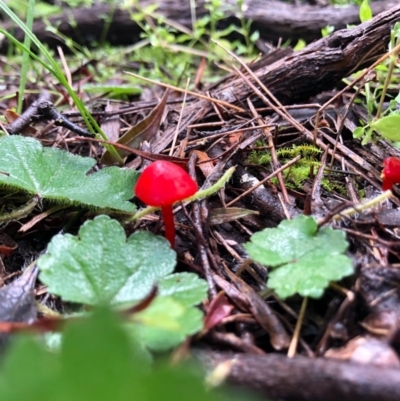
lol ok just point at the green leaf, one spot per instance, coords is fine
(166, 323)
(300, 45)
(368, 135)
(327, 30)
(86, 356)
(63, 177)
(365, 11)
(97, 362)
(101, 266)
(358, 132)
(28, 356)
(254, 36)
(305, 259)
(171, 317)
(186, 288)
(388, 127)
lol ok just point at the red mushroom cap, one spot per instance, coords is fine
(164, 183)
(390, 173)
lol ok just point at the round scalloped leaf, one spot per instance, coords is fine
(101, 266)
(304, 258)
(63, 177)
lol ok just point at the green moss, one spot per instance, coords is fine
(298, 173)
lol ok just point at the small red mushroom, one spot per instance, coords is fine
(163, 183)
(390, 173)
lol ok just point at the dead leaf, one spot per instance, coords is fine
(225, 215)
(7, 245)
(264, 315)
(204, 162)
(17, 303)
(143, 131)
(218, 310)
(111, 125)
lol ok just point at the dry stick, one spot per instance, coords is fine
(197, 226)
(180, 119)
(316, 188)
(230, 132)
(25, 118)
(67, 70)
(296, 335)
(349, 299)
(349, 86)
(274, 156)
(27, 226)
(341, 125)
(203, 250)
(263, 181)
(204, 97)
(141, 153)
(216, 109)
(284, 208)
(232, 341)
(278, 108)
(386, 84)
(286, 116)
(261, 311)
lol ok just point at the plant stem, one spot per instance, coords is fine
(169, 224)
(25, 56)
(363, 206)
(21, 212)
(389, 74)
(214, 188)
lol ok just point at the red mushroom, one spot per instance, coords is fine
(390, 173)
(163, 183)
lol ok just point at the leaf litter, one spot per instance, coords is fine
(270, 279)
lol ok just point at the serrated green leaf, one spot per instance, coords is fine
(166, 323)
(388, 127)
(101, 266)
(63, 177)
(305, 259)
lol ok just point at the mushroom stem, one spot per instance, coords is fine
(169, 224)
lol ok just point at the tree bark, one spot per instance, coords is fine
(321, 65)
(273, 19)
(307, 379)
